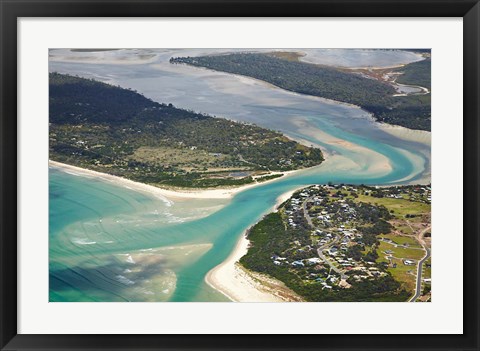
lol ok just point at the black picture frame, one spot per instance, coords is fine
(11, 10)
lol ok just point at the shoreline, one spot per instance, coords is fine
(195, 193)
(415, 135)
(241, 285)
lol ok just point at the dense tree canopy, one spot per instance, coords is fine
(118, 131)
(372, 95)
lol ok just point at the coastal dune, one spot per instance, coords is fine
(241, 285)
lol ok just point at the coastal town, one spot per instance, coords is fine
(344, 237)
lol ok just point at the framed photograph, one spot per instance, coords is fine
(246, 175)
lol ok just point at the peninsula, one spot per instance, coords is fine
(344, 243)
(376, 96)
(117, 131)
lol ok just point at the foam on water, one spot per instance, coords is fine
(83, 241)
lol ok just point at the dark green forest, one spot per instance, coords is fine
(371, 95)
(416, 73)
(118, 131)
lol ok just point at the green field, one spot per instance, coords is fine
(415, 254)
(183, 158)
(412, 242)
(402, 273)
(427, 271)
(405, 229)
(401, 252)
(400, 207)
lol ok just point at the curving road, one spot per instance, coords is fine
(418, 287)
(319, 251)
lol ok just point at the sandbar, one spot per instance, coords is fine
(242, 285)
(225, 193)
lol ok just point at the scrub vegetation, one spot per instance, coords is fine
(120, 132)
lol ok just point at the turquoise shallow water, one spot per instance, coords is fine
(103, 237)
(110, 243)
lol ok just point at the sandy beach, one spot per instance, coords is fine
(229, 277)
(241, 285)
(159, 192)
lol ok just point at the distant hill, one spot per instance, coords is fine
(372, 95)
(118, 131)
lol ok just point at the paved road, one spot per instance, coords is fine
(325, 259)
(306, 214)
(319, 251)
(418, 287)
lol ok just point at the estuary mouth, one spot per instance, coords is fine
(162, 160)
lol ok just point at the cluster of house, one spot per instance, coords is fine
(330, 232)
(365, 273)
(294, 209)
(363, 270)
(279, 261)
(337, 214)
(333, 219)
(285, 162)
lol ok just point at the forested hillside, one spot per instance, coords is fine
(120, 132)
(416, 73)
(372, 95)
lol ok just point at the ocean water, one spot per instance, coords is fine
(110, 243)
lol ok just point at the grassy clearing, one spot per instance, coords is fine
(427, 271)
(380, 251)
(404, 274)
(405, 229)
(400, 251)
(183, 158)
(407, 253)
(412, 242)
(400, 207)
